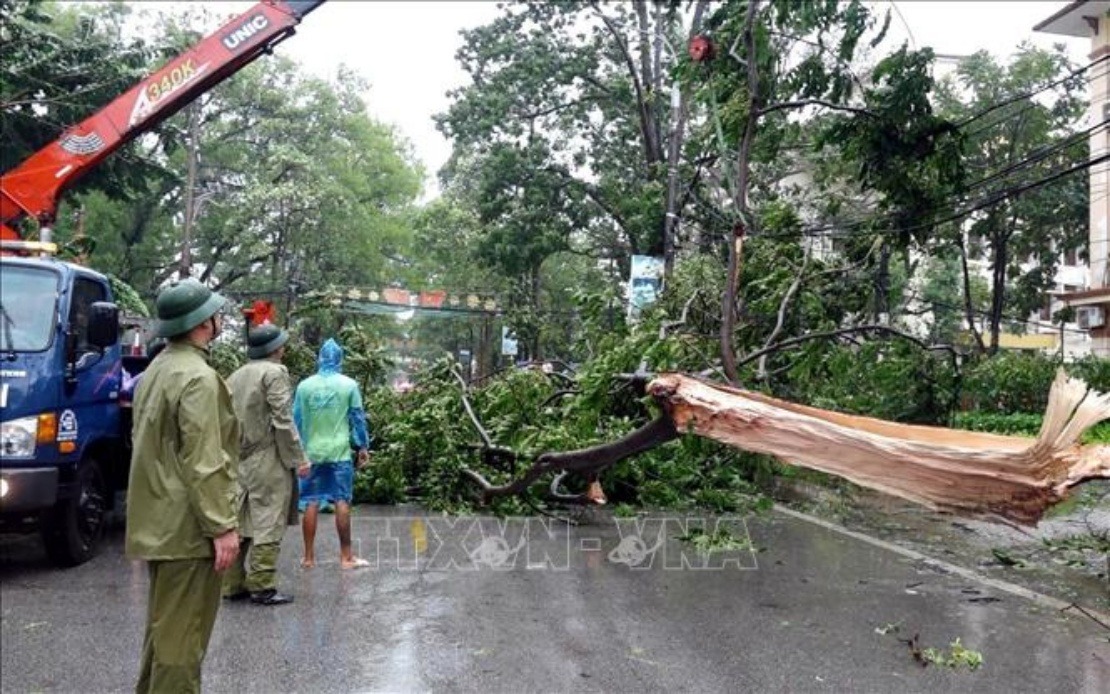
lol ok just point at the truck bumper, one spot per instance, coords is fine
(26, 490)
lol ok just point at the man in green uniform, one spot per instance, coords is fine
(180, 513)
(270, 455)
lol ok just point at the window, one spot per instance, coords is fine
(1071, 257)
(27, 307)
(1046, 308)
(85, 293)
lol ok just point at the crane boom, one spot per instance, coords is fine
(32, 188)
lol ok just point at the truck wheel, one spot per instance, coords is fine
(71, 531)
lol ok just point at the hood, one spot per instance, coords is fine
(330, 359)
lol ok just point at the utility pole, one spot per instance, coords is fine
(192, 146)
(79, 237)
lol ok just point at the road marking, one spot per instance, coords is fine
(1005, 586)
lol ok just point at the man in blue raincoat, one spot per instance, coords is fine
(327, 410)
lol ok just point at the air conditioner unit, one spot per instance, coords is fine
(1090, 317)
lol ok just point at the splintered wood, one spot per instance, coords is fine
(1010, 478)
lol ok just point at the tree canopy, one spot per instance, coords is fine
(834, 213)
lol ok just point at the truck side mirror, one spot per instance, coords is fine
(103, 324)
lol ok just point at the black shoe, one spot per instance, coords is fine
(270, 597)
(235, 597)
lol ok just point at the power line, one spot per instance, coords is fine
(1037, 155)
(1003, 316)
(913, 40)
(978, 183)
(1032, 157)
(812, 144)
(1028, 107)
(1028, 95)
(834, 231)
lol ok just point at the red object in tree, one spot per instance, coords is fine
(260, 312)
(701, 49)
(393, 295)
(32, 188)
(432, 298)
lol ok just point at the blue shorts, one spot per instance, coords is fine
(328, 482)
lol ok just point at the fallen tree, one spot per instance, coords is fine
(1009, 478)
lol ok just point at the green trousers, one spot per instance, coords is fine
(181, 611)
(255, 570)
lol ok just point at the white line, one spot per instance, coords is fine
(1006, 586)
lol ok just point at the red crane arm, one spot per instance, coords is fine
(33, 187)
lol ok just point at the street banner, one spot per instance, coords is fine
(645, 283)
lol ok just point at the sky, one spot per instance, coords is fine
(406, 50)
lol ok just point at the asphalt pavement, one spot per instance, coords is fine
(534, 605)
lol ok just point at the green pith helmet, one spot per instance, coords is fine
(183, 306)
(265, 340)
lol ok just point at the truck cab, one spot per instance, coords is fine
(63, 448)
(64, 434)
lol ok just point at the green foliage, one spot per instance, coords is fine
(1008, 393)
(61, 63)
(1080, 544)
(1015, 424)
(559, 174)
(719, 541)
(226, 356)
(1009, 382)
(428, 436)
(942, 292)
(955, 657)
(381, 482)
(127, 298)
(1021, 424)
(560, 140)
(1012, 382)
(1094, 370)
(893, 380)
(1025, 140)
(299, 360)
(364, 359)
(298, 186)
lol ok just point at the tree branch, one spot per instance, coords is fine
(470, 411)
(844, 331)
(784, 105)
(738, 227)
(674, 150)
(783, 305)
(641, 104)
(585, 460)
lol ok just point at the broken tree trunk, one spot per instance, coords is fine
(1010, 478)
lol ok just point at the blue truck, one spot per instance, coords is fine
(64, 416)
(64, 427)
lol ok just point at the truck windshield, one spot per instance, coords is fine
(28, 300)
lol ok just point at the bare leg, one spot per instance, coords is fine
(308, 529)
(594, 492)
(343, 527)
(347, 558)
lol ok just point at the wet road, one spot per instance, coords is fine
(475, 605)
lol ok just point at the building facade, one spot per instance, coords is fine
(1091, 19)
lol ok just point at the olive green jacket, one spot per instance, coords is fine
(270, 448)
(185, 441)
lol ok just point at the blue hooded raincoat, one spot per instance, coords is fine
(327, 410)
